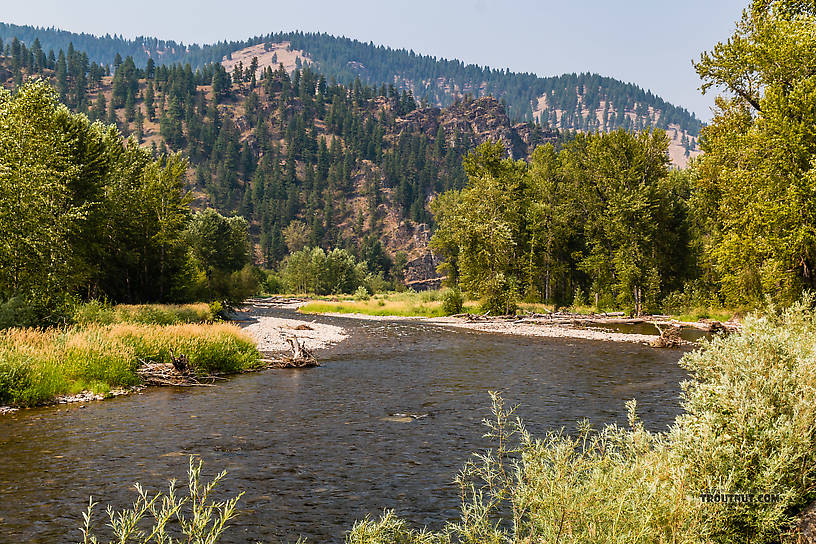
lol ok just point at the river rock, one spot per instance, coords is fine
(806, 527)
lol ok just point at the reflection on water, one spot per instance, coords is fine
(316, 449)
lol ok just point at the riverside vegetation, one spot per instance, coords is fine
(404, 304)
(84, 215)
(106, 345)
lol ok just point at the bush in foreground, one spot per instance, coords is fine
(168, 517)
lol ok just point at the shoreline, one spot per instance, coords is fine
(270, 333)
(521, 328)
(589, 327)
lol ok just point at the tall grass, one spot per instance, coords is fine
(749, 427)
(147, 314)
(38, 365)
(405, 304)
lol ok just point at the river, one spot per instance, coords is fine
(316, 449)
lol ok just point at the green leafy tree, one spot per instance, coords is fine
(37, 213)
(757, 183)
(485, 222)
(220, 246)
(617, 177)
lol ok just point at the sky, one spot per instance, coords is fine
(647, 42)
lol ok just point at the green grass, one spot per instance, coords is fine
(38, 365)
(405, 304)
(716, 314)
(429, 304)
(146, 314)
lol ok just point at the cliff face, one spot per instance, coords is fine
(483, 119)
(476, 121)
(480, 120)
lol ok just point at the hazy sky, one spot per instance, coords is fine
(647, 42)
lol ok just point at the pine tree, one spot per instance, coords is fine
(62, 77)
(148, 100)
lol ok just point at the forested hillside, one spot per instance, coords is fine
(306, 162)
(581, 102)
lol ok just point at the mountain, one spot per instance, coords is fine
(305, 161)
(581, 102)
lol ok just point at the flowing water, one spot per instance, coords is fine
(315, 449)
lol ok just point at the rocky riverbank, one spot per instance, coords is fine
(270, 333)
(587, 327)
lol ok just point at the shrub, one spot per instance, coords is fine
(272, 284)
(452, 301)
(217, 310)
(580, 298)
(375, 283)
(16, 312)
(168, 517)
(361, 294)
(750, 421)
(389, 529)
(696, 299)
(500, 295)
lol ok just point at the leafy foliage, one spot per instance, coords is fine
(757, 191)
(87, 214)
(312, 270)
(602, 215)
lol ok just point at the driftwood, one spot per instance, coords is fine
(180, 363)
(275, 301)
(301, 356)
(169, 373)
(669, 337)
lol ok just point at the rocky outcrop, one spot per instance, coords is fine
(422, 269)
(483, 119)
(424, 120)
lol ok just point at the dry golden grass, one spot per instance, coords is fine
(38, 365)
(405, 304)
